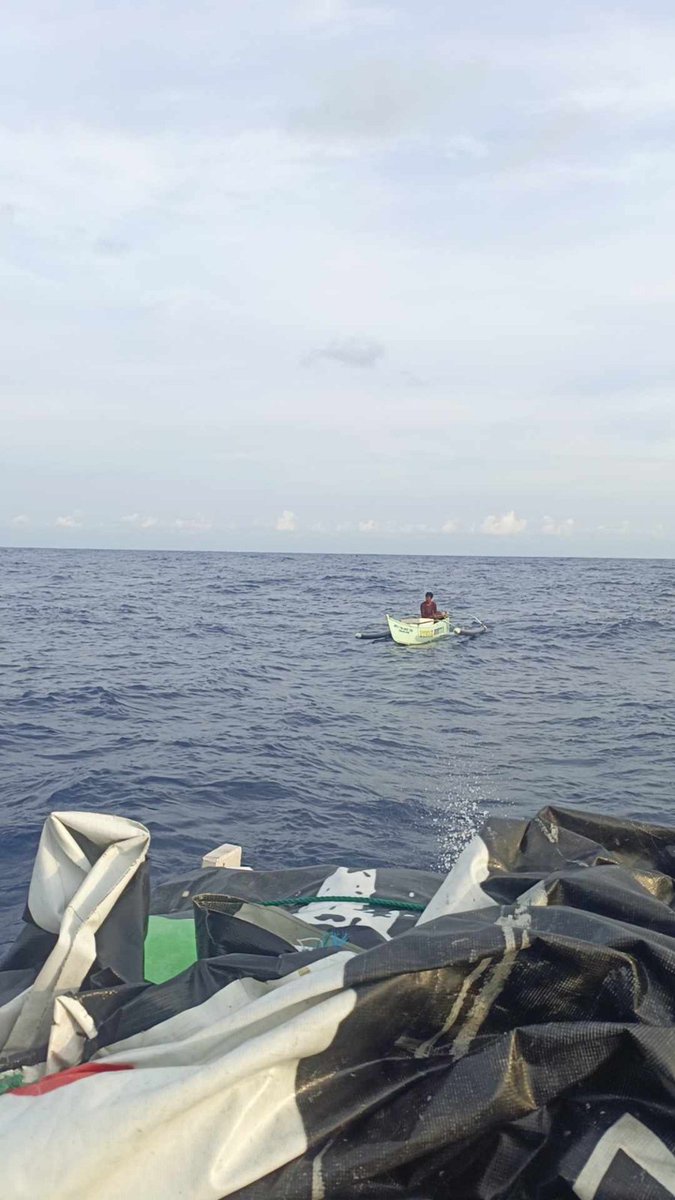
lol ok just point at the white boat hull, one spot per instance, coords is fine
(417, 631)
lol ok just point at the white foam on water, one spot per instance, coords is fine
(458, 816)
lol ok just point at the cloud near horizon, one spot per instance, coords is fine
(141, 522)
(532, 533)
(286, 523)
(69, 522)
(563, 528)
(508, 525)
(192, 524)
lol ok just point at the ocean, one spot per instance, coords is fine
(224, 697)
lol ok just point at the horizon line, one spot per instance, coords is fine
(333, 553)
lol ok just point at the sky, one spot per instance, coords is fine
(338, 275)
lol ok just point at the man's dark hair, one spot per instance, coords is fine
(428, 595)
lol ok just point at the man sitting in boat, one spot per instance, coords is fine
(428, 608)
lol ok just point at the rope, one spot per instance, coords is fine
(369, 901)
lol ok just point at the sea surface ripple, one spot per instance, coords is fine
(224, 697)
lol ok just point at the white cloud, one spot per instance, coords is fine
(317, 13)
(287, 522)
(623, 529)
(408, 527)
(20, 521)
(140, 521)
(465, 146)
(646, 98)
(353, 351)
(80, 165)
(505, 526)
(70, 522)
(450, 526)
(192, 524)
(563, 528)
(375, 99)
(368, 526)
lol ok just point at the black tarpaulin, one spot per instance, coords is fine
(515, 1040)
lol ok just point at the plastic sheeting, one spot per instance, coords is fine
(514, 1039)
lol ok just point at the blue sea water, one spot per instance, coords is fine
(224, 697)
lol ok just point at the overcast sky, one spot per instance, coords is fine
(331, 274)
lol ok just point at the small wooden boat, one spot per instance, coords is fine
(417, 631)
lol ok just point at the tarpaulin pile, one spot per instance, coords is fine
(505, 1033)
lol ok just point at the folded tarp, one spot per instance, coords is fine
(504, 1033)
(86, 915)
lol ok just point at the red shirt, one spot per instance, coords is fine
(428, 608)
